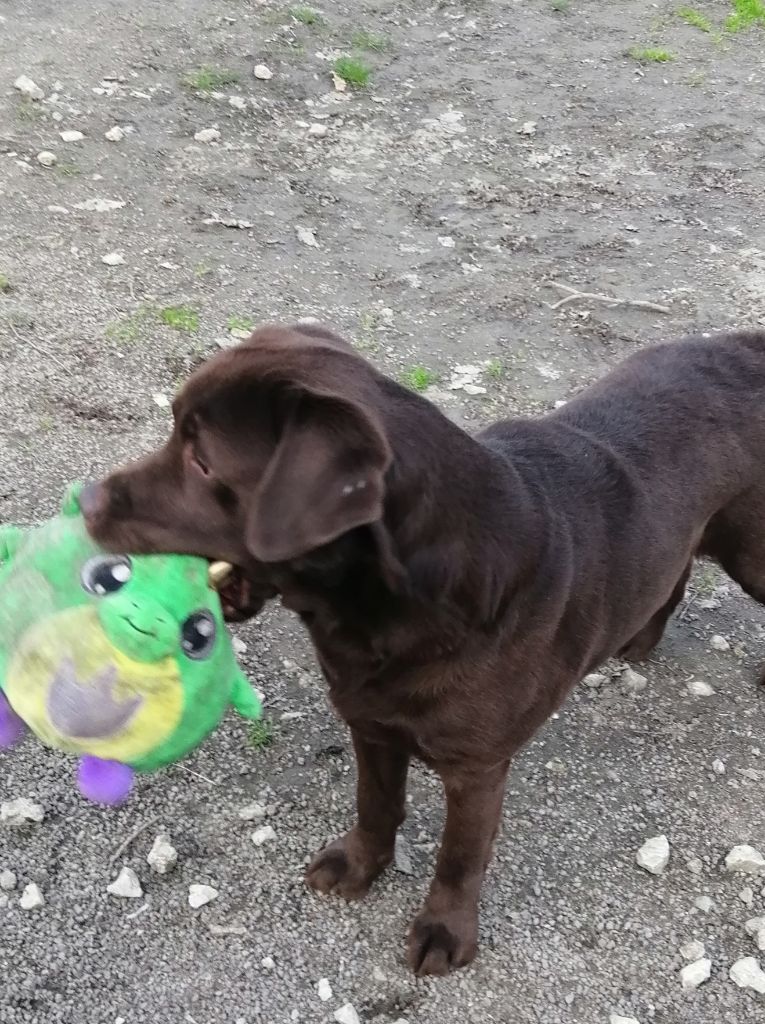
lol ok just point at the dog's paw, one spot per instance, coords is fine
(441, 943)
(347, 867)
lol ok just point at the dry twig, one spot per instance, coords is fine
(574, 295)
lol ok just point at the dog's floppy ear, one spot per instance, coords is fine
(325, 477)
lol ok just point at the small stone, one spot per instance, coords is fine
(653, 855)
(719, 643)
(7, 881)
(704, 904)
(263, 835)
(693, 950)
(20, 810)
(616, 1018)
(346, 1015)
(633, 682)
(446, 241)
(307, 237)
(752, 926)
(695, 866)
(4, 900)
(402, 857)
(201, 895)
(113, 259)
(237, 102)
(31, 898)
(207, 135)
(47, 159)
(267, 963)
(527, 128)
(318, 130)
(115, 134)
(324, 990)
(71, 136)
(28, 88)
(163, 856)
(262, 72)
(160, 400)
(595, 679)
(718, 767)
(747, 896)
(697, 688)
(747, 973)
(100, 205)
(746, 860)
(126, 885)
(240, 647)
(253, 812)
(696, 974)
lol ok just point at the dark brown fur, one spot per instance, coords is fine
(455, 588)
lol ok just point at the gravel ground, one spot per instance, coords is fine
(496, 148)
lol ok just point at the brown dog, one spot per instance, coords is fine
(455, 587)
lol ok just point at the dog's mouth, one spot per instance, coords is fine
(242, 597)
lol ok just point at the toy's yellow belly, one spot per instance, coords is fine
(79, 693)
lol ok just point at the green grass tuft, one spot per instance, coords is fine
(240, 323)
(306, 16)
(364, 40)
(5, 284)
(746, 13)
(695, 19)
(418, 378)
(262, 733)
(561, 6)
(495, 369)
(209, 79)
(651, 55)
(180, 318)
(354, 71)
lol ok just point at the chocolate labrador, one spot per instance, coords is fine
(455, 587)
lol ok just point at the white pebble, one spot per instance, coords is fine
(267, 963)
(747, 896)
(616, 1018)
(207, 135)
(346, 1015)
(160, 400)
(747, 973)
(31, 898)
(746, 860)
(704, 903)
(653, 855)
(307, 237)
(695, 866)
(693, 950)
(697, 688)
(253, 812)
(263, 72)
(262, 835)
(318, 130)
(718, 766)
(100, 205)
(7, 881)
(27, 87)
(71, 136)
(696, 974)
(115, 134)
(752, 926)
(237, 102)
(719, 643)
(20, 810)
(126, 885)
(47, 159)
(324, 990)
(633, 682)
(595, 679)
(201, 895)
(240, 647)
(4, 900)
(113, 259)
(163, 856)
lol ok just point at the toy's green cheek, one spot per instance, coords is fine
(139, 626)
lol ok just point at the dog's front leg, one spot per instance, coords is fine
(444, 934)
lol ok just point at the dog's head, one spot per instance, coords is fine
(277, 449)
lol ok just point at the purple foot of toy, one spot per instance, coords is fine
(104, 782)
(12, 728)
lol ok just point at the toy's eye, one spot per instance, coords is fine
(105, 574)
(198, 635)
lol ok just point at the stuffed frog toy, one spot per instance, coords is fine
(124, 660)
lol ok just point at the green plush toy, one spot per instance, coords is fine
(124, 660)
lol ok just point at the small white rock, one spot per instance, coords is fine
(201, 895)
(746, 860)
(47, 159)
(160, 400)
(263, 72)
(71, 136)
(698, 688)
(616, 1018)
(747, 896)
(4, 900)
(752, 926)
(447, 241)
(653, 855)
(346, 1015)
(113, 259)
(263, 835)
(100, 205)
(27, 87)
(268, 963)
(632, 681)
(324, 990)
(696, 974)
(126, 885)
(692, 951)
(595, 679)
(207, 135)
(7, 881)
(115, 134)
(253, 812)
(718, 766)
(237, 102)
(20, 810)
(704, 904)
(747, 973)
(240, 647)
(719, 643)
(695, 866)
(318, 130)
(527, 128)
(31, 898)
(163, 856)
(307, 237)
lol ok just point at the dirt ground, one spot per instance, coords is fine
(497, 148)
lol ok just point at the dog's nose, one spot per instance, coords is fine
(92, 500)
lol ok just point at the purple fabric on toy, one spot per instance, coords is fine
(104, 782)
(12, 728)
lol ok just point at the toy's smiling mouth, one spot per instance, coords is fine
(88, 710)
(143, 632)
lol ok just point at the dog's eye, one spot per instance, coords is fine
(105, 574)
(201, 465)
(198, 635)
